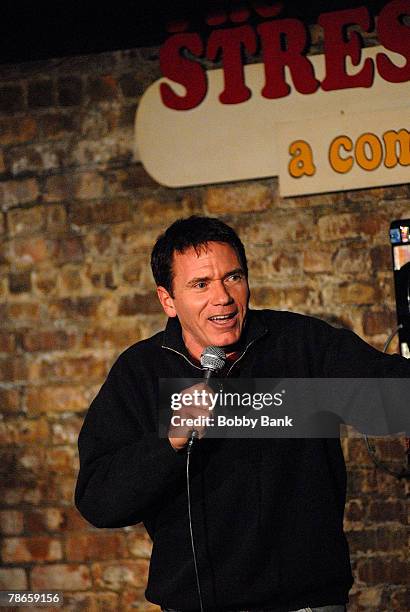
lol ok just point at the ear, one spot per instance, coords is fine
(167, 302)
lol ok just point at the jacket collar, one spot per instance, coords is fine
(254, 329)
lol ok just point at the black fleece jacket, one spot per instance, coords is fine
(267, 514)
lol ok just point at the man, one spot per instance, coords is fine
(267, 515)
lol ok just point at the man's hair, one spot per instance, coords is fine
(193, 232)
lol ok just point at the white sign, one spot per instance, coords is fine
(340, 152)
(215, 143)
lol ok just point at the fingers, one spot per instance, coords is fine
(194, 414)
(185, 422)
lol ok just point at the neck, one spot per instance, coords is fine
(195, 351)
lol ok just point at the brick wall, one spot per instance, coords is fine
(78, 217)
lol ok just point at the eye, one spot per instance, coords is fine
(200, 285)
(233, 278)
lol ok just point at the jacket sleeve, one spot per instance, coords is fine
(349, 356)
(125, 468)
(379, 405)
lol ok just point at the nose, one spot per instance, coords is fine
(220, 294)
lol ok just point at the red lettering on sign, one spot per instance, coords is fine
(394, 36)
(182, 70)
(267, 9)
(283, 45)
(276, 58)
(230, 43)
(337, 49)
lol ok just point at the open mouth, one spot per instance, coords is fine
(223, 319)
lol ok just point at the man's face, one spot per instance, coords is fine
(210, 296)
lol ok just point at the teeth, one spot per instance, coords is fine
(221, 317)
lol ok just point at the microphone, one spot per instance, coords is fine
(212, 360)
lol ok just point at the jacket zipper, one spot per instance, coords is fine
(198, 368)
(240, 356)
(182, 355)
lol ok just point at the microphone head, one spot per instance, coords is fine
(213, 358)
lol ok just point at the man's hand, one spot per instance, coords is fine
(201, 406)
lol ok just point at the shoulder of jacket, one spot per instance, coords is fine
(140, 351)
(282, 322)
(272, 318)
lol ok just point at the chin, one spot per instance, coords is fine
(226, 340)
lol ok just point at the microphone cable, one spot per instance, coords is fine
(212, 360)
(188, 455)
(390, 338)
(371, 450)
